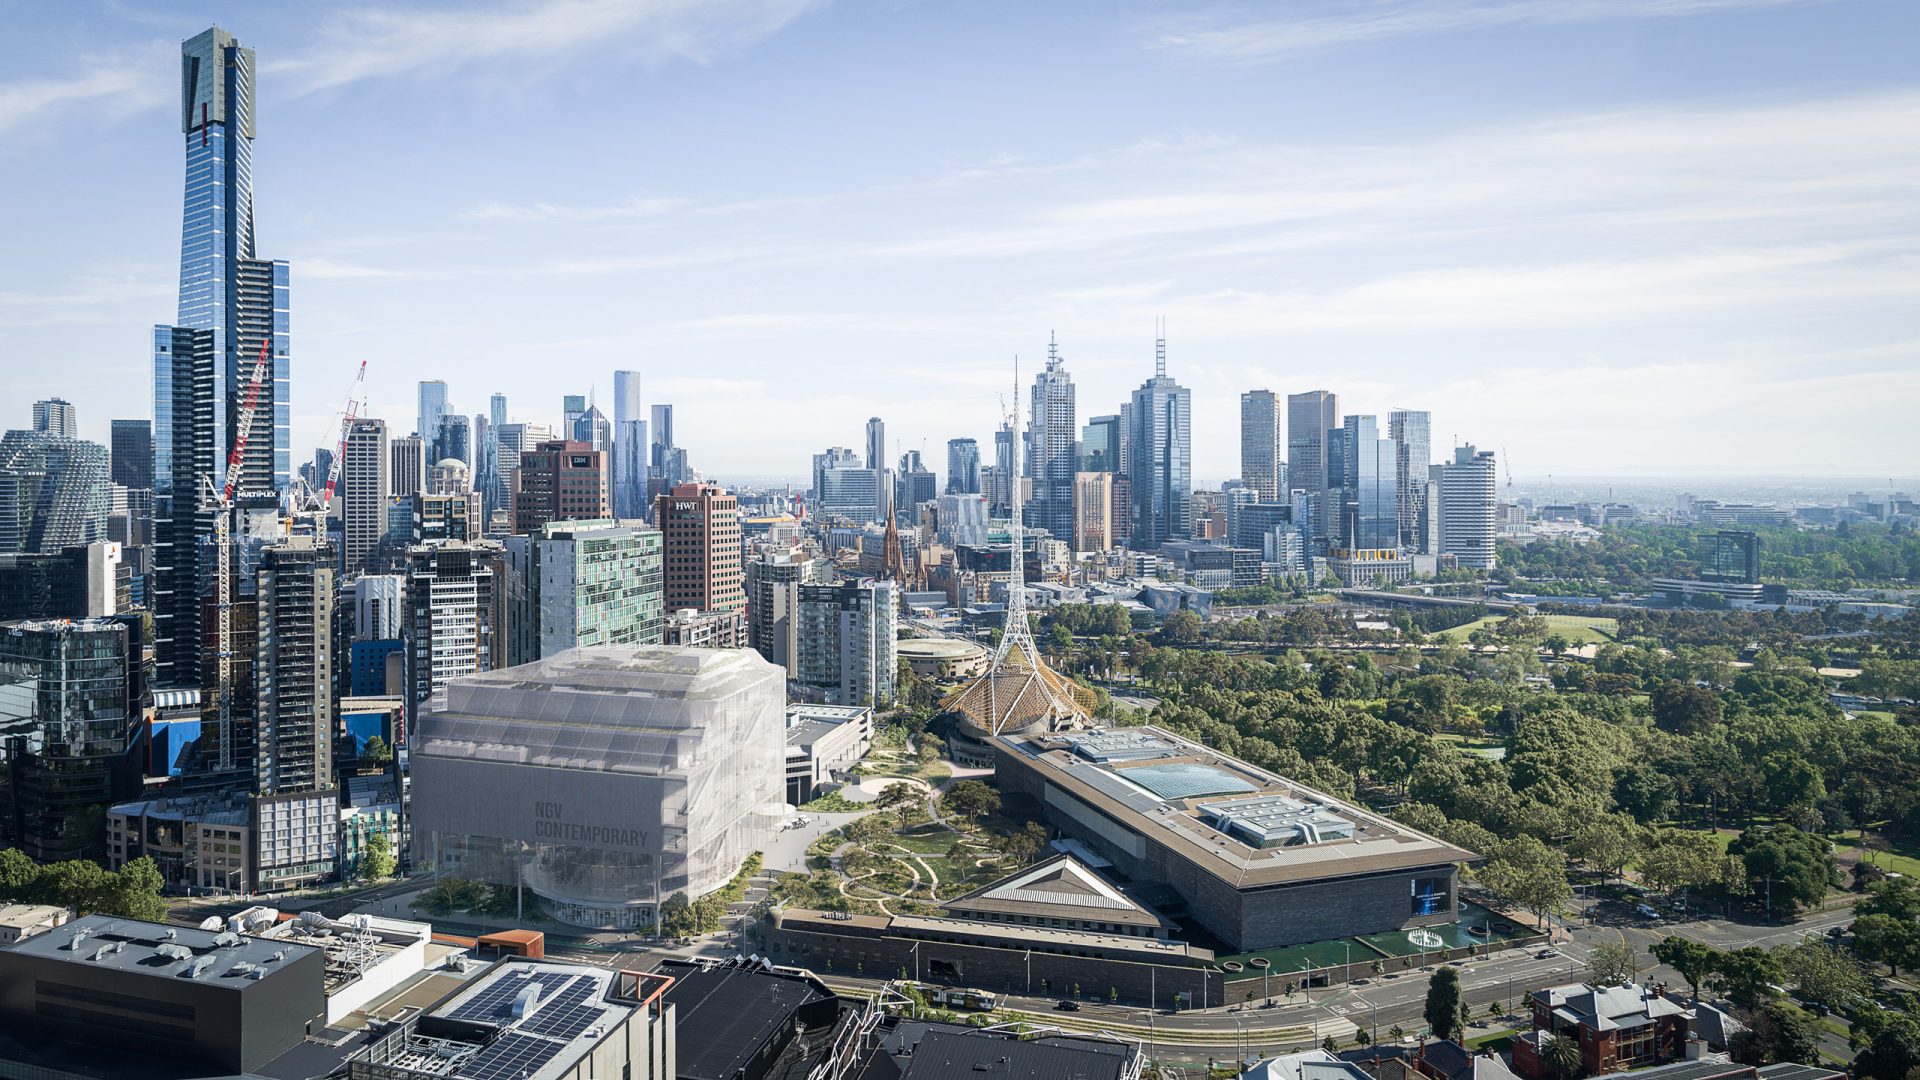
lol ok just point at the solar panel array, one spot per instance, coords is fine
(572, 1011)
(510, 1057)
(495, 1002)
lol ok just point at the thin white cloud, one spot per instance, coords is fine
(113, 85)
(1241, 35)
(548, 213)
(370, 43)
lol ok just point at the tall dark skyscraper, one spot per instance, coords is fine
(963, 467)
(230, 302)
(1160, 455)
(1412, 434)
(1310, 416)
(1261, 462)
(132, 454)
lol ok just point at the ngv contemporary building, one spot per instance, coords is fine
(605, 780)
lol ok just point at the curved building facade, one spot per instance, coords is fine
(605, 780)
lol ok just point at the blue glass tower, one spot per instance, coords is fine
(1160, 457)
(230, 302)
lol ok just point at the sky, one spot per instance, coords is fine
(1603, 237)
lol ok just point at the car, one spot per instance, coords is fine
(1646, 912)
(1067, 1005)
(1545, 954)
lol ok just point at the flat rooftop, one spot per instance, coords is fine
(1246, 826)
(521, 1020)
(164, 952)
(725, 1014)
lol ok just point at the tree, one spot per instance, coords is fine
(1526, 872)
(1024, 845)
(1182, 628)
(1608, 842)
(1645, 792)
(1685, 709)
(1442, 1011)
(85, 831)
(1887, 940)
(1776, 1033)
(1610, 964)
(1748, 975)
(1675, 859)
(1892, 1042)
(1786, 869)
(1825, 976)
(377, 861)
(1562, 1055)
(971, 798)
(897, 794)
(377, 752)
(1396, 1033)
(1695, 961)
(1898, 897)
(929, 752)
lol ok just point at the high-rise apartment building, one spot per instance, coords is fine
(1468, 493)
(293, 675)
(433, 408)
(1412, 434)
(846, 638)
(963, 467)
(1005, 469)
(53, 492)
(1161, 453)
(451, 440)
(700, 529)
(559, 480)
(1054, 452)
(231, 303)
(364, 485)
(1310, 416)
(913, 484)
(578, 583)
(1093, 511)
(1100, 444)
(56, 416)
(455, 616)
(1370, 516)
(773, 602)
(407, 474)
(486, 476)
(515, 440)
(224, 287)
(69, 714)
(184, 461)
(1261, 460)
(630, 457)
(130, 454)
(593, 428)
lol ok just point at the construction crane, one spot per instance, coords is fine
(1507, 464)
(304, 498)
(355, 398)
(222, 498)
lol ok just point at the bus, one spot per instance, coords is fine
(977, 1000)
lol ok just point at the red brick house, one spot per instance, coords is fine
(1616, 1027)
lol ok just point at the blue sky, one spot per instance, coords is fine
(1606, 236)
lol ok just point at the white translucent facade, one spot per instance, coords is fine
(605, 780)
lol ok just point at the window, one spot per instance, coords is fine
(1430, 896)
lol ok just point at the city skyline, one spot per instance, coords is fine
(1621, 261)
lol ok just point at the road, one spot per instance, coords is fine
(1262, 1027)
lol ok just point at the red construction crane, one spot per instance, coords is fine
(223, 543)
(347, 416)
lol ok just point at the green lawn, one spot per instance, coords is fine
(1578, 629)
